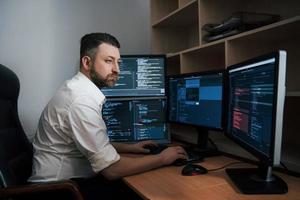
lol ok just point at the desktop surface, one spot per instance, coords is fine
(168, 183)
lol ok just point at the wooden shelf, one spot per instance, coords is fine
(176, 31)
(291, 137)
(183, 3)
(205, 58)
(173, 63)
(174, 39)
(170, 55)
(160, 10)
(280, 30)
(216, 12)
(293, 94)
(185, 16)
(282, 35)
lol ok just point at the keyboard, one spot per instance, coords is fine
(156, 149)
(192, 156)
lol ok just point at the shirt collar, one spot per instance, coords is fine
(91, 88)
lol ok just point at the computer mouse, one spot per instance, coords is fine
(192, 169)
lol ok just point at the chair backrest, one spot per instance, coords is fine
(15, 149)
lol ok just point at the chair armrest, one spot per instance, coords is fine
(15, 191)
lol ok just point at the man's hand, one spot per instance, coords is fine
(170, 154)
(139, 147)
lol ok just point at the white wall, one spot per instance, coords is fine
(39, 41)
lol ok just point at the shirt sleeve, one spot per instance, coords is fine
(90, 135)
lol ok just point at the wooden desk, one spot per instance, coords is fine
(168, 183)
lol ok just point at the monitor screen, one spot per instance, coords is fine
(196, 99)
(140, 75)
(253, 97)
(256, 93)
(132, 120)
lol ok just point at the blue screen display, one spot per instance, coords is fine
(196, 99)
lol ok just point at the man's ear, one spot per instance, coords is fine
(85, 63)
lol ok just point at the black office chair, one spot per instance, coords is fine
(16, 151)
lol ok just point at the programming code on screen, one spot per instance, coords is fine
(135, 120)
(196, 100)
(139, 76)
(251, 104)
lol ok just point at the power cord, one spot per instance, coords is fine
(213, 144)
(284, 166)
(229, 164)
(287, 170)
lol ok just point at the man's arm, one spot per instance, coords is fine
(132, 165)
(133, 148)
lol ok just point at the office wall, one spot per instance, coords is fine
(39, 41)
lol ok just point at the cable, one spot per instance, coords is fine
(287, 171)
(213, 144)
(284, 166)
(3, 182)
(232, 163)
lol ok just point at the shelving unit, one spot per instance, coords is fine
(176, 31)
(203, 58)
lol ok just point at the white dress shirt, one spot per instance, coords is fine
(71, 139)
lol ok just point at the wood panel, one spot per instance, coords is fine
(167, 183)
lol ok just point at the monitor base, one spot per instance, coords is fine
(249, 181)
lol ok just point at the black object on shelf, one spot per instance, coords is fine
(237, 23)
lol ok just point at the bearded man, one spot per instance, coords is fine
(71, 141)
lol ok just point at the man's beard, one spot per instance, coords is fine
(109, 81)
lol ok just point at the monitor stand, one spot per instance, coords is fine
(202, 147)
(257, 180)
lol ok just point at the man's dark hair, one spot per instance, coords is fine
(90, 42)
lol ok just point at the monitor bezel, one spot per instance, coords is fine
(166, 140)
(273, 159)
(163, 56)
(202, 73)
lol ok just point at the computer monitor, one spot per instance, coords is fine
(140, 75)
(135, 119)
(197, 99)
(256, 93)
